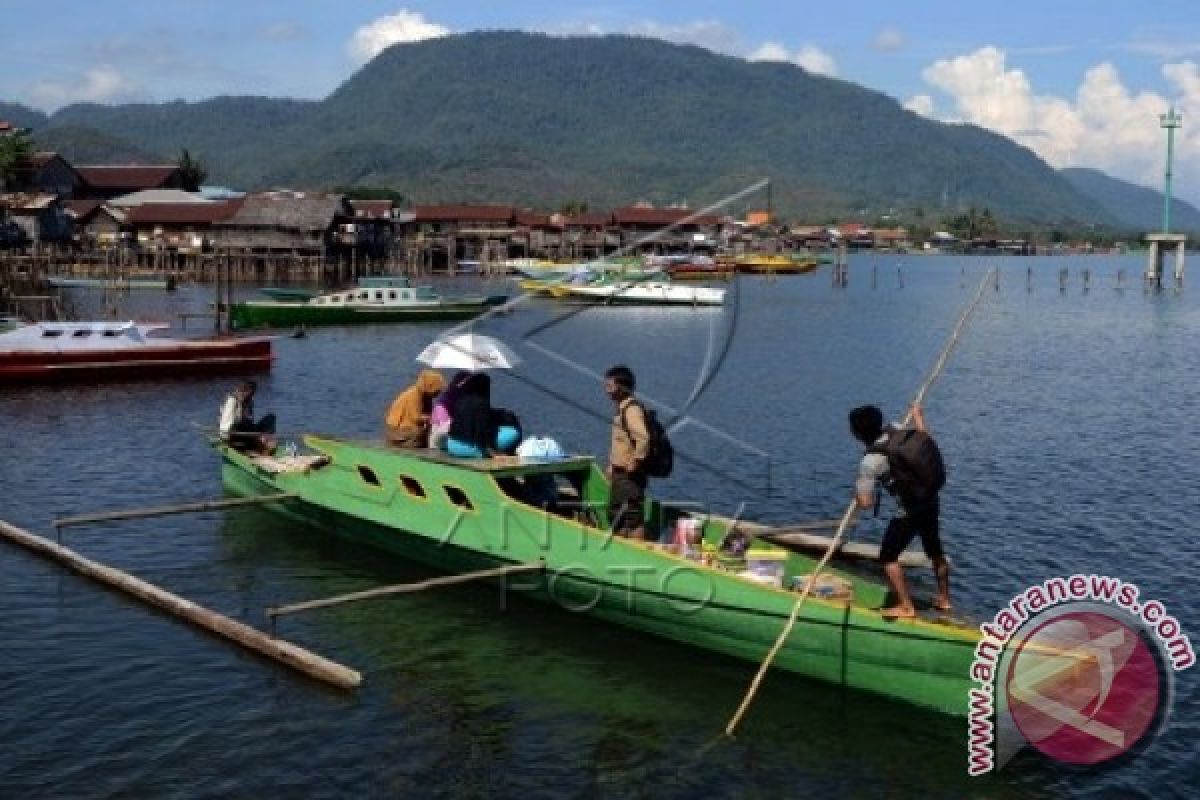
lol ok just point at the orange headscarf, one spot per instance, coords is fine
(411, 404)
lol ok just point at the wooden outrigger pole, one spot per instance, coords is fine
(849, 515)
(407, 588)
(279, 650)
(162, 511)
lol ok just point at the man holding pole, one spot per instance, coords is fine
(907, 462)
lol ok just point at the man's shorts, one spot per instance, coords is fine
(923, 522)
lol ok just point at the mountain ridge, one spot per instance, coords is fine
(540, 120)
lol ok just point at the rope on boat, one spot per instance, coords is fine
(407, 588)
(849, 515)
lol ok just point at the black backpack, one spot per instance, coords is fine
(916, 470)
(660, 454)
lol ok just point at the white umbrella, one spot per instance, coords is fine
(469, 351)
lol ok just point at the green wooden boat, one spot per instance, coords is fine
(373, 301)
(469, 514)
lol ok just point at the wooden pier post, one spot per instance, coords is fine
(282, 651)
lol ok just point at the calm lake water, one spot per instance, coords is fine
(1068, 420)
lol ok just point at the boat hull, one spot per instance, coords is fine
(777, 268)
(638, 295)
(120, 284)
(186, 358)
(622, 582)
(286, 315)
(700, 274)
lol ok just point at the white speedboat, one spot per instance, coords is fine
(643, 293)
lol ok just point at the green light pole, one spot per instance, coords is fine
(1170, 121)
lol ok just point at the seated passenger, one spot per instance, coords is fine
(409, 416)
(508, 431)
(237, 425)
(472, 427)
(440, 416)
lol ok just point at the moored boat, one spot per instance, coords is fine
(470, 514)
(120, 284)
(643, 292)
(374, 300)
(687, 267)
(287, 293)
(70, 352)
(764, 264)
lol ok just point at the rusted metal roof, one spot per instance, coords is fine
(372, 209)
(661, 216)
(82, 209)
(129, 178)
(533, 219)
(593, 220)
(180, 213)
(465, 213)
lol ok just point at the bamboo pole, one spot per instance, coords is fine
(407, 588)
(794, 539)
(162, 511)
(849, 514)
(282, 651)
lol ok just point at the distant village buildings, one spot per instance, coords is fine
(52, 203)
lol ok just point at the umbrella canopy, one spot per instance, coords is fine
(469, 351)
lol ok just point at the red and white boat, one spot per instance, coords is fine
(75, 352)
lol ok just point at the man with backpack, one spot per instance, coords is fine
(640, 448)
(907, 462)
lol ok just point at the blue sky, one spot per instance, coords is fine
(1078, 81)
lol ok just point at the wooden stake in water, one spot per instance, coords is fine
(849, 514)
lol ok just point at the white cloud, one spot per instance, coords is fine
(814, 59)
(811, 57)
(889, 40)
(404, 26)
(921, 104)
(1105, 125)
(100, 84)
(1168, 49)
(770, 51)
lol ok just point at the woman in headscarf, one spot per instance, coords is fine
(471, 432)
(408, 418)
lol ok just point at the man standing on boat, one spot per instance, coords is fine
(906, 461)
(627, 455)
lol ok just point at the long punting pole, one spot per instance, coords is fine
(849, 515)
(407, 588)
(284, 652)
(162, 511)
